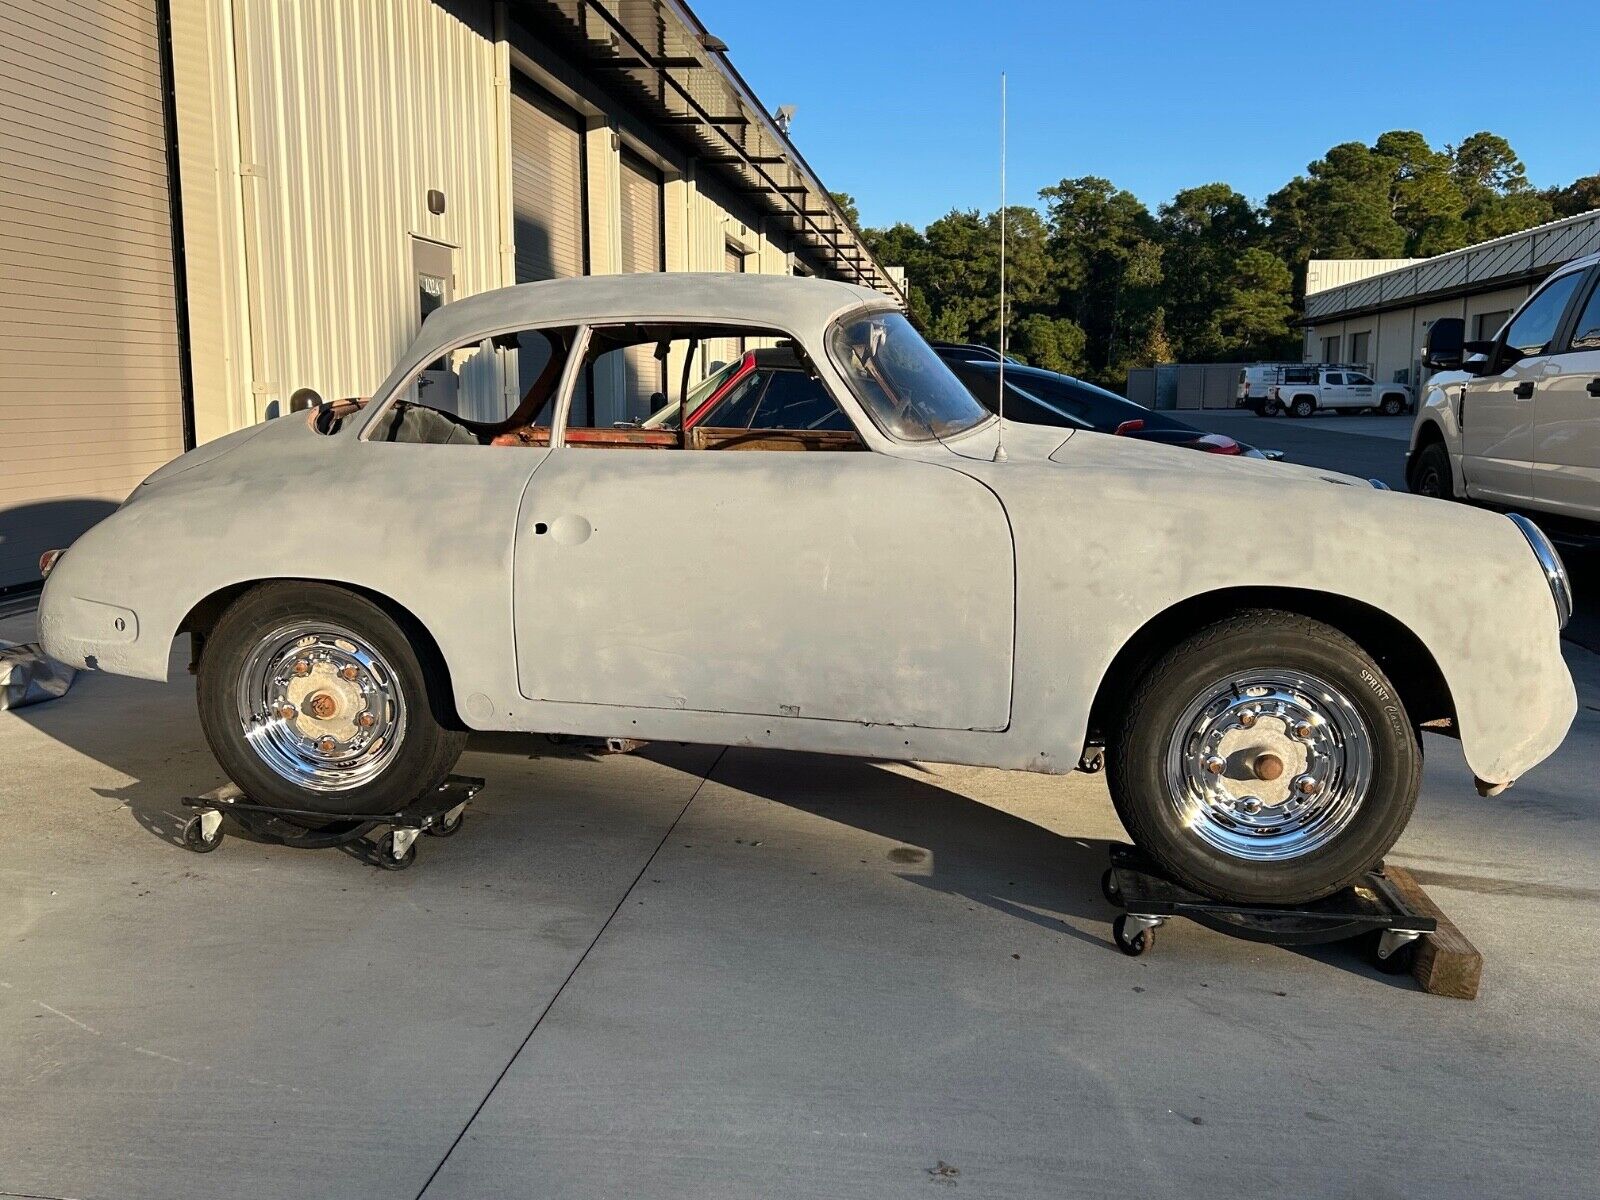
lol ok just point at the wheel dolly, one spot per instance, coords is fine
(440, 813)
(1372, 905)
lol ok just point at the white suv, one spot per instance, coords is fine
(1516, 421)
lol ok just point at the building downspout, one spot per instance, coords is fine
(180, 273)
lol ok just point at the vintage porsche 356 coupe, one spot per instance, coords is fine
(558, 513)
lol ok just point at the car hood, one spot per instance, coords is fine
(1154, 458)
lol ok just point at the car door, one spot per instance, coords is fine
(841, 586)
(1331, 392)
(1358, 390)
(1566, 410)
(1497, 409)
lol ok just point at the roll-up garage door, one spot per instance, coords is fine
(642, 241)
(91, 396)
(546, 186)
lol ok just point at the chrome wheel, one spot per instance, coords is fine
(320, 707)
(1268, 765)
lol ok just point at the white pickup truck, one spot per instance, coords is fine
(1268, 389)
(1515, 422)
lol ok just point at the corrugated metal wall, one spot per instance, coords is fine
(349, 113)
(92, 399)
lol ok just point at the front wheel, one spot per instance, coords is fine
(1267, 759)
(1430, 474)
(313, 699)
(1392, 406)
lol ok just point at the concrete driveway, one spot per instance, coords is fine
(690, 972)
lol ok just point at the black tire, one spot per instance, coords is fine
(1131, 944)
(1263, 640)
(1302, 407)
(1392, 406)
(1109, 889)
(1398, 963)
(445, 826)
(427, 751)
(384, 855)
(1430, 473)
(194, 836)
(1271, 408)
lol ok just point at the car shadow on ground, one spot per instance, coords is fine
(947, 842)
(966, 848)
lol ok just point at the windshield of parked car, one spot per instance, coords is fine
(900, 381)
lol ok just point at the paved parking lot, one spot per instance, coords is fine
(694, 972)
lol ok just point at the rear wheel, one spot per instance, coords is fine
(1265, 760)
(1303, 406)
(312, 698)
(1430, 473)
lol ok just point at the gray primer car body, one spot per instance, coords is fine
(921, 601)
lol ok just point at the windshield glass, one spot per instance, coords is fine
(900, 381)
(668, 417)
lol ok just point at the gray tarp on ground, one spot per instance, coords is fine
(28, 677)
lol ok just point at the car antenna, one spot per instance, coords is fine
(1000, 436)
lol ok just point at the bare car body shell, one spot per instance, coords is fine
(921, 601)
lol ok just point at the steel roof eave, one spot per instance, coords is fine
(801, 197)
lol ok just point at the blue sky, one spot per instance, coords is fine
(898, 102)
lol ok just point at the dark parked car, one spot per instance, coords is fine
(1042, 397)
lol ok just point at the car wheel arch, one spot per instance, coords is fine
(204, 615)
(1403, 655)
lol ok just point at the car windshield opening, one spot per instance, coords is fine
(900, 381)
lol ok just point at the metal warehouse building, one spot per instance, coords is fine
(1378, 313)
(222, 210)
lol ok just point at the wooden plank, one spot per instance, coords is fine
(1446, 963)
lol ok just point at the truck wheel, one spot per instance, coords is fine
(1267, 759)
(312, 698)
(1271, 408)
(1430, 473)
(1303, 406)
(1392, 406)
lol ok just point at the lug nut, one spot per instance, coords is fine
(302, 667)
(1250, 805)
(287, 712)
(1302, 729)
(327, 745)
(1247, 717)
(1306, 785)
(1215, 764)
(366, 720)
(349, 673)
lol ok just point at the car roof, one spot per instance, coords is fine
(1018, 369)
(778, 301)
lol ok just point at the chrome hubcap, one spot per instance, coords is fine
(1269, 765)
(320, 706)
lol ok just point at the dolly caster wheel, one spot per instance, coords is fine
(196, 837)
(1109, 888)
(1400, 960)
(448, 825)
(1132, 938)
(390, 858)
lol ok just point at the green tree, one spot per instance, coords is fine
(1103, 243)
(1205, 232)
(1579, 196)
(1494, 183)
(847, 205)
(1256, 307)
(1054, 343)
